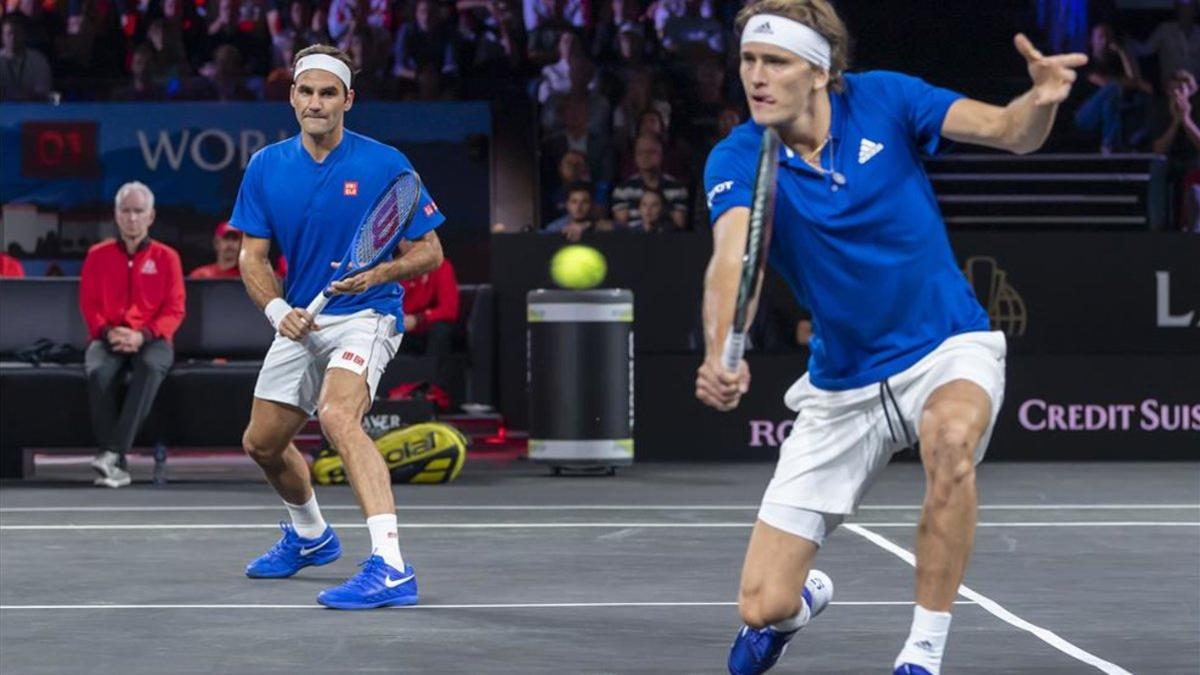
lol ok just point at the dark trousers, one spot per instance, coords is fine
(434, 342)
(119, 411)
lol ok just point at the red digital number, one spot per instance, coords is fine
(54, 150)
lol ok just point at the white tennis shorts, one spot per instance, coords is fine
(842, 440)
(363, 343)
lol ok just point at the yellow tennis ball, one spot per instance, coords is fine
(578, 267)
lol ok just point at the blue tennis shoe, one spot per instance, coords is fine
(377, 585)
(756, 650)
(293, 553)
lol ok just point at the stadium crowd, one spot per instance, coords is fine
(631, 94)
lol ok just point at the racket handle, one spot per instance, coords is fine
(735, 349)
(318, 303)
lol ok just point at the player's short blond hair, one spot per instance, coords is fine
(818, 15)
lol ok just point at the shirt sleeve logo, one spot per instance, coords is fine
(723, 186)
(350, 188)
(430, 208)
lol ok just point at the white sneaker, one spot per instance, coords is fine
(108, 465)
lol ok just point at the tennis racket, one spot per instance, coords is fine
(378, 234)
(754, 260)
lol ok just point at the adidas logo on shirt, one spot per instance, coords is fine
(149, 267)
(764, 29)
(868, 149)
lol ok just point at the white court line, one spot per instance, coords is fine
(582, 507)
(994, 608)
(519, 605)
(561, 525)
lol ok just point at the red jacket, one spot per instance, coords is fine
(214, 271)
(432, 297)
(143, 292)
(10, 266)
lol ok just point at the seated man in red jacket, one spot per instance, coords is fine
(430, 312)
(227, 243)
(10, 266)
(132, 298)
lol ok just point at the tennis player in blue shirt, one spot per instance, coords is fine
(901, 350)
(309, 194)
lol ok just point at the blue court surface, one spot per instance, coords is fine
(1078, 568)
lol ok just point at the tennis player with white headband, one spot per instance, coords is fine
(309, 193)
(901, 350)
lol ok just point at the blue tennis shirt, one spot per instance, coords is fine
(869, 257)
(313, 210)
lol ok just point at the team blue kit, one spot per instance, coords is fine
(861, 242)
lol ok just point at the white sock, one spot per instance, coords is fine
(385, 541)
(926, 640)
(796, 622)
(307, 518)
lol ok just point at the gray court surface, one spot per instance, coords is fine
(1077, 569)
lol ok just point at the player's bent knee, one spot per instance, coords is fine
(337, 419)
(260, 452)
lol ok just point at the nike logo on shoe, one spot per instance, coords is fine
(392, 583)
(314, 549)
(868, 149)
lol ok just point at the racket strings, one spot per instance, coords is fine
(388, 215)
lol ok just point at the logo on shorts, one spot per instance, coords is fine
(350, 188)
(354, 358)
(1003, 303)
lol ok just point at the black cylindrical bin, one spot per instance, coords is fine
(579, 355)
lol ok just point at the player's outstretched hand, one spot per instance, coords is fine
(718, 388)
(356, 283)
(296, 324)
(1052, 75)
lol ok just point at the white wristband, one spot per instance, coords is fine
(276, 310)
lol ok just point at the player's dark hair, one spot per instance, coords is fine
(818, 15)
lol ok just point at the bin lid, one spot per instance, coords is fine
(610, 305)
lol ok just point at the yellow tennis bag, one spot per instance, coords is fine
(430, 452)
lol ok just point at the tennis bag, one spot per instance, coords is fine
(430, 452)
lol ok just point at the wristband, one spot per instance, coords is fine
(276, 310)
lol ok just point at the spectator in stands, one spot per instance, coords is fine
(278, 85)
(1176, 43)
(424, 50)
(545, 22)
(41, 26)
(430, 312)
(371, 82)
(637, 100)
(556, 77)
(348, 16)
(688, 28)
(652, 214)
(11, 267)
(581, 85)
(648, 157)
(227, 243)
(576, 136)
(1176, 134)
(24, 72)
(131, 295)
(170, 51)
(222, 79)
(622, 18)
(1114, 110)
(572, 168)
(318, 26)
(485, 45)
(579, 217)
(142, 86)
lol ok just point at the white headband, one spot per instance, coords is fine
(791, 35)
(323, 62)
